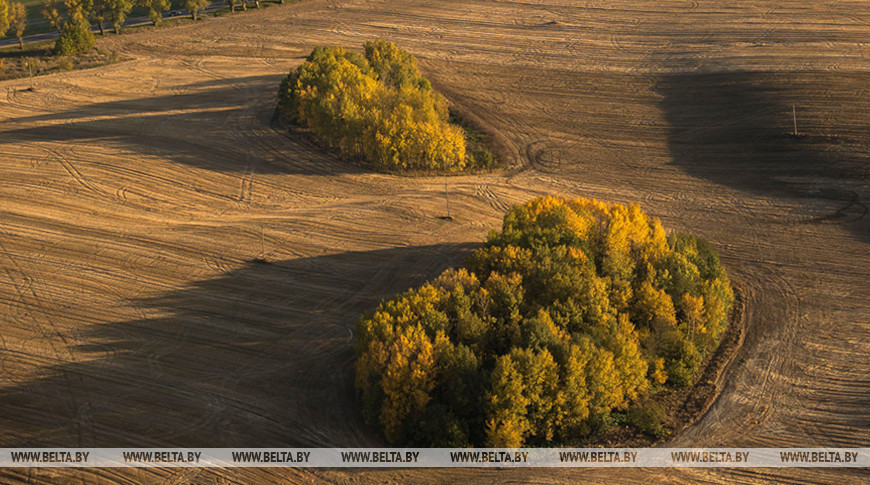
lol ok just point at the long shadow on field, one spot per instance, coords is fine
(261, 356)
(222, 125)
(737, 129)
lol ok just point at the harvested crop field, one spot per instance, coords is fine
(136, 197)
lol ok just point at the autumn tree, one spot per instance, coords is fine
(18, 21)
(4, 17)
(507, 404)
(51, 10)
(117, 11)
(155, 9)
(100, 13)
(194, 6)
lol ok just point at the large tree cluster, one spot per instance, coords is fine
(575, 310)
(375, 106)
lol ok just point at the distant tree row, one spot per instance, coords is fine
(576, 309)
(72, 18)
(377, 107)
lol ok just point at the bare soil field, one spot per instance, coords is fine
(135, 197)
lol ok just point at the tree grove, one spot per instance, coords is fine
(575, 310)
(377, 107)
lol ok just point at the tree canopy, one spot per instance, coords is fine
(194, 6)
(377, 107)
(117, 11)
(4, 17)
(576, 309)
(155, 9)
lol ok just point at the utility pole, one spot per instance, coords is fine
(447, 198)
(263, 242)
(794, 117)
(262, 258)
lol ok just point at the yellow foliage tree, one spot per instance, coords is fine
(407, 381)
(507, 404)
(654, 307)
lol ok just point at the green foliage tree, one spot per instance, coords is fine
(194, 6)
(576, 309)
(76, 37)
(51, 10)
(18, 21)
(100, 13)
(117, 11)
(647, 417)
(376, 106)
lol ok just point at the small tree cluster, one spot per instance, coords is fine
(575, 309)
(376, 106)
(74, 28)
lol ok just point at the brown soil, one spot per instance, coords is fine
(135, 195)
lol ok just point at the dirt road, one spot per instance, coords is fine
(135, 196)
